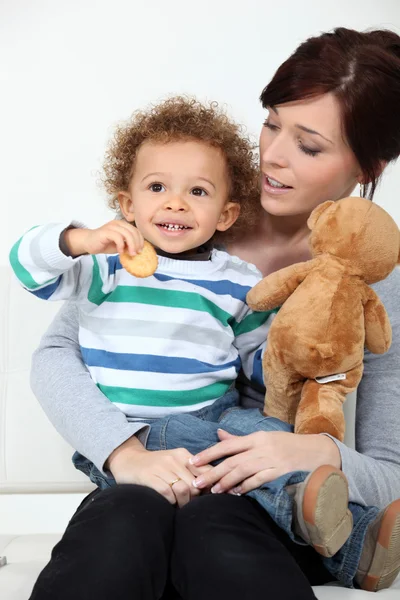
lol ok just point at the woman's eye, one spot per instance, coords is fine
(156, 187)
(199, 192)
(308, 151)
(270, 125)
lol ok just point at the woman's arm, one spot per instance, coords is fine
(79, 411)
(373, 470)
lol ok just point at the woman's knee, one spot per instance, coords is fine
(126, 512)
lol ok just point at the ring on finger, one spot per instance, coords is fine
(174, 481)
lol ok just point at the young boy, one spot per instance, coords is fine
(167, 349)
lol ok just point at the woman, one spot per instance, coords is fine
(333, 123)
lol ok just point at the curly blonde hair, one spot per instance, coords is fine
(184, 118)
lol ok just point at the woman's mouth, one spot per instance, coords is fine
(273, 186)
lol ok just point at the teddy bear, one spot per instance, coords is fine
(329, 313)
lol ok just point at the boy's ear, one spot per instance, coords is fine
(126, 206)
(228, 216)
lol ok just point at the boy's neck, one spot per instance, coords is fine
(201, 253)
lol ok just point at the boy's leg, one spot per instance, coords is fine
(300, 503)
(117, 545)
(371, 555)
(173, 431)
(193, 431)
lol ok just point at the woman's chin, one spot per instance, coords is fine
(277, 206)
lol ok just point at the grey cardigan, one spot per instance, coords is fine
(95, 427)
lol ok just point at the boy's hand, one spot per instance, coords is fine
(111, 238)
(132, 463)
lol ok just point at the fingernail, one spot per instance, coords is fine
(216, 489)
(198, 482)
(232, 493)
(194, 460)
(237, 491)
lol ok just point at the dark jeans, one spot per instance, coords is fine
(128, 542)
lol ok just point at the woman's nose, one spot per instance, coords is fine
(275, 153)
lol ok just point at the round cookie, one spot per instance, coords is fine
(143, 264)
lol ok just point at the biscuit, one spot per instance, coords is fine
(143, 264)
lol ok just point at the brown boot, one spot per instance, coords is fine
(321, 515)
(380, 559)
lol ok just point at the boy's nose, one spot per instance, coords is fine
(176, 203)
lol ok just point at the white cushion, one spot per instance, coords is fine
(33, 457)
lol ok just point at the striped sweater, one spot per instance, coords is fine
(172, 342)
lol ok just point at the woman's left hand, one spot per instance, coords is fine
(260, 457)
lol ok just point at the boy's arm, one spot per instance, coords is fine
(42, 268)
(274, 289)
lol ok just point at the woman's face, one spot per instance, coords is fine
(304, 158)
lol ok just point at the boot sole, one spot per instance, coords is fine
(385, 564)
(326, 515)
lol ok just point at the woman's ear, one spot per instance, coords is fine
(317, 212)
(228, 216)
(126, 206)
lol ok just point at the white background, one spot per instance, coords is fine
(70, 70)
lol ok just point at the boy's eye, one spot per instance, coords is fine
(199, 192)
(156, 187)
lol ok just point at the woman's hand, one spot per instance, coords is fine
(261, 457)
(168, 472)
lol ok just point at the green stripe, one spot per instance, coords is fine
(23, 275)
(96, 294)
(155, 297)
(142, 397)
(253, 321)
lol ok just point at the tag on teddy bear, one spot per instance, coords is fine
(329, 378)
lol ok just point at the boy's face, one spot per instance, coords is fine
(179, 195)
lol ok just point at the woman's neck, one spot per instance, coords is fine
(280, 231)
(274, 243)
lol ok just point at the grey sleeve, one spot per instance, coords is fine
(373, 469)
(76, 407)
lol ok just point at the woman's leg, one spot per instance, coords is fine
(228, 547)
(117, 545)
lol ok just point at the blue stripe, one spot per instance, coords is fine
(257, 375)
(45, 292)
(223, 287)
(151, 363)
(113, 264)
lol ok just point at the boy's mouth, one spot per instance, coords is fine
(173, 228)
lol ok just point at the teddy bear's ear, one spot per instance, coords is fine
(317, 212)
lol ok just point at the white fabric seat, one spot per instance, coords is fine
(35, 460)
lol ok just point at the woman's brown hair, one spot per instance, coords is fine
(362, 70)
